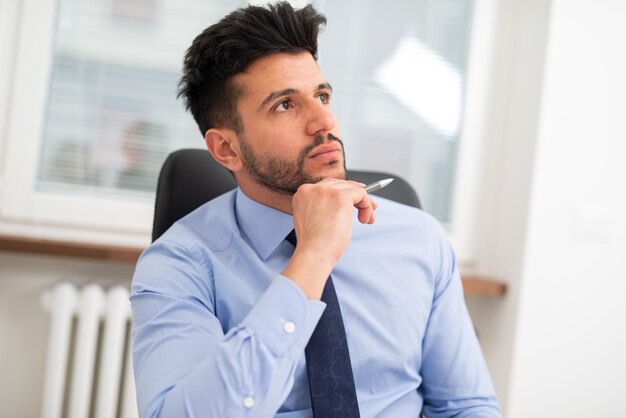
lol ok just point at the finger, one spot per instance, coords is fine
(357, 183)
(330, 180)
(365, 206)
(372, 218)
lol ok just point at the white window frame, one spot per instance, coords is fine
(26, 211)
(9, 13)
(468, 191)
(58, 216)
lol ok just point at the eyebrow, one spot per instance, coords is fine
(285, 92)
(275, 94)
(325, 86)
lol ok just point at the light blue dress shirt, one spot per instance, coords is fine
(219, 332)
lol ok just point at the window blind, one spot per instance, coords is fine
(112, 115)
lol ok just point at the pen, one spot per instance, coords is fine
(377, 185)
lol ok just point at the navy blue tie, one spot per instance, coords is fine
(333, 394)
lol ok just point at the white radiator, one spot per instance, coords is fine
(88, 366)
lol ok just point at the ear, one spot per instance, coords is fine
(222, 144)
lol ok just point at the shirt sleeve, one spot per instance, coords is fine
(184, 363)
(456, 382)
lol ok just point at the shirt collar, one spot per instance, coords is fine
(264, 227)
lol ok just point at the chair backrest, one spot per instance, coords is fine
(191, 177)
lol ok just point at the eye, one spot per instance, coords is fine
(282, 106)
(324, 97)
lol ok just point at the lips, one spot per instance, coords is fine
(324, 150)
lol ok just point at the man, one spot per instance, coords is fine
(224, 307)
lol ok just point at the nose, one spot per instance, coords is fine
(320, 119)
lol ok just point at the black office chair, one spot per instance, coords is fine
(191, 177)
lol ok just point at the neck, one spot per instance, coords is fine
(266, 196)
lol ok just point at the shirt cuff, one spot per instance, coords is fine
(283, 318)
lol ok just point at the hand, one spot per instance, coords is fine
(322, 214)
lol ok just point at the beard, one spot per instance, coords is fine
(281, 175)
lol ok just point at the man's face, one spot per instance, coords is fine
(289, 133)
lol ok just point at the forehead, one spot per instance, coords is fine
(279, 71)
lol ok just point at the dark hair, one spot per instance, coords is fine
(228, 47)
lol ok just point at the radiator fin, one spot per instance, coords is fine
(88, 364)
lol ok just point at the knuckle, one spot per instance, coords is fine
(303, 190)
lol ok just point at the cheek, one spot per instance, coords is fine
(282, 136)
(275, 145)
(282, 140)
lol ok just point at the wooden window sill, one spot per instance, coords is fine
(472, 285)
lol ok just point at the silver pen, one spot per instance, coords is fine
(377, 185)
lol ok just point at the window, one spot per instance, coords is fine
(111, 115)
(399, 74)
(411, 81)
(94, 109)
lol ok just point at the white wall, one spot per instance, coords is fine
(569, 353)
(553, 224)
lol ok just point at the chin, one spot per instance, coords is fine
(329, 170)
(337, 173)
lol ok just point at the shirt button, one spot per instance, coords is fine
(289, 327)
(248, 402)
